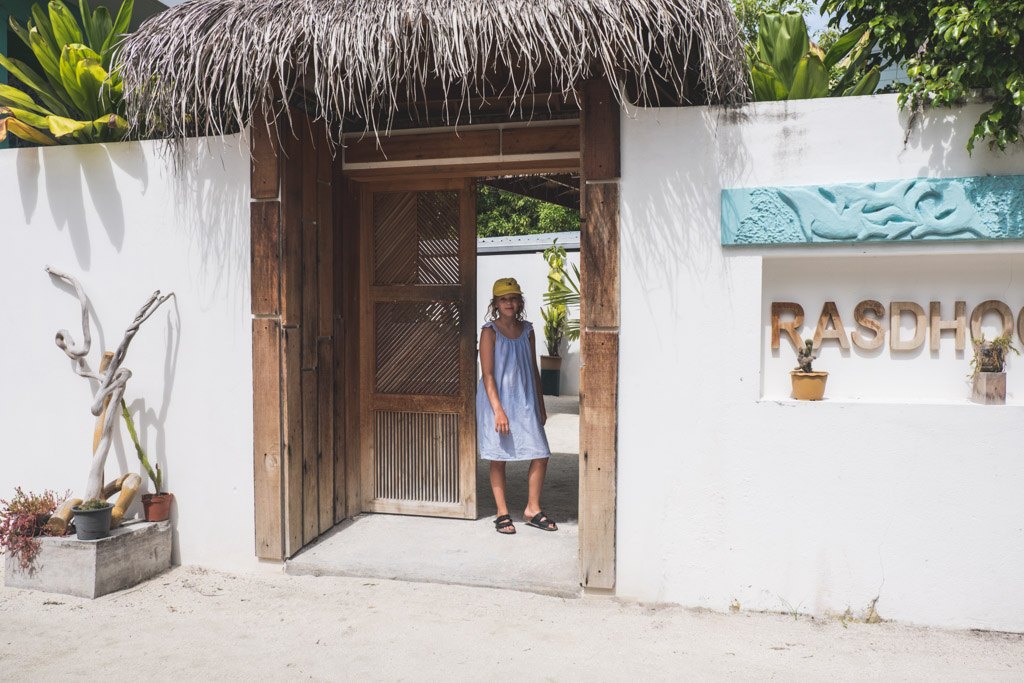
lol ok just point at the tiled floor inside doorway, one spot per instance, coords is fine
(469, 552)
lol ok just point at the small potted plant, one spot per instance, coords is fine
(92, 519)
(808, 385)
(555, 316)
(23, 520)
(551, 364)
(988, 385)
(156, 506)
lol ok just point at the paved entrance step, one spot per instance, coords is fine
(447, 551)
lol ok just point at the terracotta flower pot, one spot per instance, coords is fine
(157, 506)
(808, 386)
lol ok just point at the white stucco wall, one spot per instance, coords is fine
(897, 487)
(121, 220)
(531, 271)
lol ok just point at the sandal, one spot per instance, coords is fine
(504, 522)
(543, 522)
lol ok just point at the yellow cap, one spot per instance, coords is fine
(506, 285)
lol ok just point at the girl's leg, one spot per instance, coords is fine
(498, 486)
(538, 468)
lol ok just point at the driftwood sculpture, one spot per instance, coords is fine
(112, 377)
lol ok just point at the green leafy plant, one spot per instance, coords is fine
(952, 51)
(554, 328)
(565, 291)
(76, 98)
(990, 356)
(749, 12)
(786, 65)
(155, 475)
(555, 315)
(23, 520)
(93, 504)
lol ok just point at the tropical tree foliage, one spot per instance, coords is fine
(564, 294)
(952, 50)
(70, 95)
(786, 65)
(749, 13)
(501, 214)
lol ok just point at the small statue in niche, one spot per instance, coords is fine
(805, 356)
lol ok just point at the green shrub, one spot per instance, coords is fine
(71, 95)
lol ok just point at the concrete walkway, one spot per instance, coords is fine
(470, 552)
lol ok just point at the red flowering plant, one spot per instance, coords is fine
(23, 519)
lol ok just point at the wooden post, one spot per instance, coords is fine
(294, 387)
(599, 313)
(350, 327)
(265, 238)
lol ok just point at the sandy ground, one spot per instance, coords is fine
(193, 624)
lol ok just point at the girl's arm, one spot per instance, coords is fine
(536, 381)
(487, 340)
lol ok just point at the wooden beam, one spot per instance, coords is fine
(568, 164)
(310, 457)
(310, 168)
(325, 253)
(422, 146)
(291, 228)
(599, 380)
(268, 476)
(325, 432)
(265, 239)
(352, 328)
(342, 353)
(264, 180)
(599, 344)
(343, 445)
(599, 257)
(291, 418)
(541, 140)
(467, 357)
(310, 292)
(599, 125)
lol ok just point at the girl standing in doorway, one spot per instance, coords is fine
(510, 413)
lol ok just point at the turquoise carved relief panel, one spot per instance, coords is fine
(915, 209)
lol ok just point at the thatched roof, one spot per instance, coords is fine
(203, 67)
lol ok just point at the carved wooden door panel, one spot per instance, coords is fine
(417, 348)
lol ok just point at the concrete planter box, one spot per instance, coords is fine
(131, 554)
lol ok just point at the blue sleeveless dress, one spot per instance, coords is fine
(517, 391)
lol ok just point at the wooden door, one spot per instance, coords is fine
(417, 348)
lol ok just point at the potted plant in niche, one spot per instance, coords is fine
(551, 363)
(808, 385)
(156, 505)
(555, 316)
(988, 381)
(92, 519)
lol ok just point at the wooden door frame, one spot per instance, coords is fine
(592, 149)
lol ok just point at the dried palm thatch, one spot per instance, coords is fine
(204, 67)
